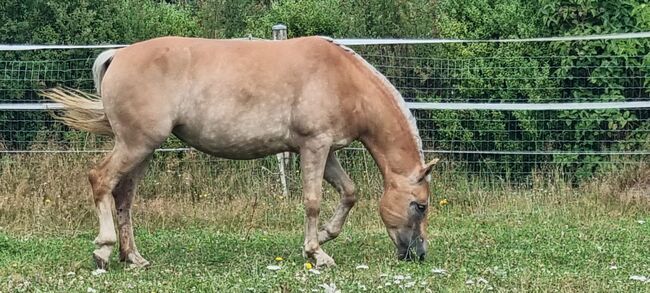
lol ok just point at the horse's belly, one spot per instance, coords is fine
(237, 143)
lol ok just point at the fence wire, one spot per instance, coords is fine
(506, 143)
(513, 79)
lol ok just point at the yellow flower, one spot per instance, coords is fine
(444, 202)
(279, 258)
(308, 266)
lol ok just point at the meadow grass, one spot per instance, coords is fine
(216, 226)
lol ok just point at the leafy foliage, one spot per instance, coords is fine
(609, 79)
(574, 72)
(477, 72)
(70, 22)
(302, 17)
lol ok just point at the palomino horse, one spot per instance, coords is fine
(245, 100)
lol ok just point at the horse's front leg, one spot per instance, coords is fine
(313, 156)
(336, 176)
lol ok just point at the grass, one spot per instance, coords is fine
(546, 237)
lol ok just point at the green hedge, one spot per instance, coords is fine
(570, 72)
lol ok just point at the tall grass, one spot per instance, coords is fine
(214, 225)
(43, 193)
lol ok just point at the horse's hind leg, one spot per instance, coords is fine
(336, 176)
(104, 178)
(123, 194)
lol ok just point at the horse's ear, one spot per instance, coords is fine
(426, 171)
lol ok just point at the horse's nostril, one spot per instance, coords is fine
(407, 255)
(421, 258)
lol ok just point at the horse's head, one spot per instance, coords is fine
(403, 209)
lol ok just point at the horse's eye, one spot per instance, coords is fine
(420, 207)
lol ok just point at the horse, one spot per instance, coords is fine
(247, 99)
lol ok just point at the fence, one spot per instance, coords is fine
(487, 112)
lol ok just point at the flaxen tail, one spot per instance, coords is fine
(82, 110)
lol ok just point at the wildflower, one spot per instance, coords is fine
(308, 266)
(643, 279)
(330, 288)
(443, 202)
(279, 258)
(441, 272)
(613, 266)
(314, 271)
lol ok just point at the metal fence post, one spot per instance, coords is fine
(280, 33)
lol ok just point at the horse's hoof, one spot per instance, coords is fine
(142, 265)
(135, 260)
(101, 263)
(322, 259)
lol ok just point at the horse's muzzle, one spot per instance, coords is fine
(416, 249)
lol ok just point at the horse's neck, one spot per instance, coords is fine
(391, 142)
(390, 137)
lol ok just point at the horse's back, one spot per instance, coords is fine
(192, 66)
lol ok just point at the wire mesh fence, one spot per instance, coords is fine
(511, 79)
(490, 143)
(20, 79)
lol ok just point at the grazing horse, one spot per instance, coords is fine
(242, 100)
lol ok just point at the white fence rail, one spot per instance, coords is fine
(419, 106)
(480, 111)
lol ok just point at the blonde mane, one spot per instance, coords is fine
(397, 96)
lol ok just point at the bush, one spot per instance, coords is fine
(572, 72)
(302, 18)
(608, 78)
(70, 22)
(478, 72)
